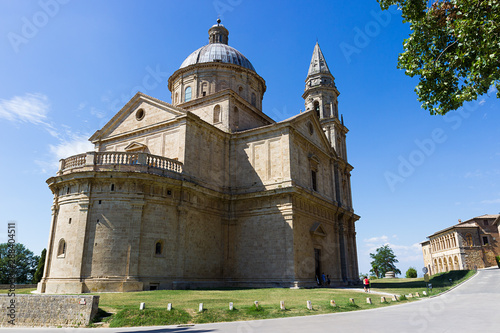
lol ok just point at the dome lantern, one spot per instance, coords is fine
(218, 34)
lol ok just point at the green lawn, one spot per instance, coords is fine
(216, 303)
(122, 309)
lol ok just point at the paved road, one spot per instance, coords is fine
(471, 307)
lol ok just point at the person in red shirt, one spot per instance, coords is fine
(366, 284)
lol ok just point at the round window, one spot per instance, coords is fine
(139, 115)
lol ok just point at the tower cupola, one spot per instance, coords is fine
(320, 93)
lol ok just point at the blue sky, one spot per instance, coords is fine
(67, 66)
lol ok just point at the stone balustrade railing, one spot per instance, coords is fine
(140, 160)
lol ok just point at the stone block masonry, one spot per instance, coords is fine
(48, 310)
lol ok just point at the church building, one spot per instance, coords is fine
(207, 191)
(469, 244)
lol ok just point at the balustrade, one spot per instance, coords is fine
(120, 158)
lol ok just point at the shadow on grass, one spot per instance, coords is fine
(438, 281)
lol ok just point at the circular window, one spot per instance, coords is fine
(311, 128)
(139, 115)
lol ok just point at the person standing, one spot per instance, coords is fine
(366, 284)
(323, 279)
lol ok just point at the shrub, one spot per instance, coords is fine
(497, 258)
(411, 273)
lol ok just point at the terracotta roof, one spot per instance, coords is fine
(485, 216)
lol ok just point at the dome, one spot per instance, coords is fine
(217, 52)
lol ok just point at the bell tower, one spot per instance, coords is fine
(321, 95)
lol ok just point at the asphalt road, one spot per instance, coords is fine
(471, 307)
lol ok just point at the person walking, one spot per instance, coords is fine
(366, 284)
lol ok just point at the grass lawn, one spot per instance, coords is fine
(216, 303)
(122, 309)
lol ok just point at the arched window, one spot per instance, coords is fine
(316, 108)
(217, 114)
(204, 89)
(468, 240)
(254, 99)
(61, 248)
(159, 248)
(187, 94)
(240, 91)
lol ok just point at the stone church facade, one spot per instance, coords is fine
(207, 191)
(467, 245)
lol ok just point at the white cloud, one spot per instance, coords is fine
(76, 145)
(404, 253)
(482, 101)
(30, 108)
(489, 202)
(381, 239)
(474, 174)
(97, 113)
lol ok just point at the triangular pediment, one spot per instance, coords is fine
(136, 147)
(140, 113)
(308, 125)
(317, 230)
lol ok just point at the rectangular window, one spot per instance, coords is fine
(485, 222)
(485, 240)
(314, 180)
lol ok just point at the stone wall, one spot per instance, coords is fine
(47, 310)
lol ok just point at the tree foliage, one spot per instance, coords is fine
(23, 266)
(454, 49)
(37, 277)
(411, 273)
(384, 260)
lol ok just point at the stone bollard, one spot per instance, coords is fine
(282, 305)
(231, 306)
(368, 300)
(256, 304)
(200, 308)
(394, 298)
(332, 303)
(382, 299)
(142, 306)
(169, 307)
(351, 300)
(417, 294)
(424, 293)
(309, 305)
